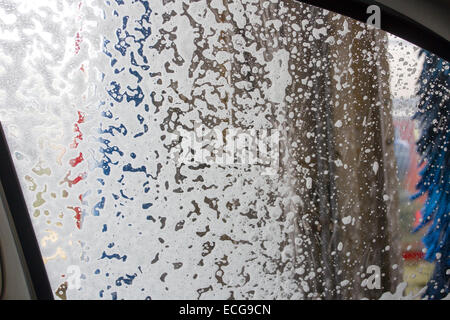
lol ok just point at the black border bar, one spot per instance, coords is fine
(392, 21)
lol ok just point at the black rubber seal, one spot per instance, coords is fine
(22, 223)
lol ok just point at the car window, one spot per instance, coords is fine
(214, 150)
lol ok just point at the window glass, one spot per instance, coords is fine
(215, 149)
